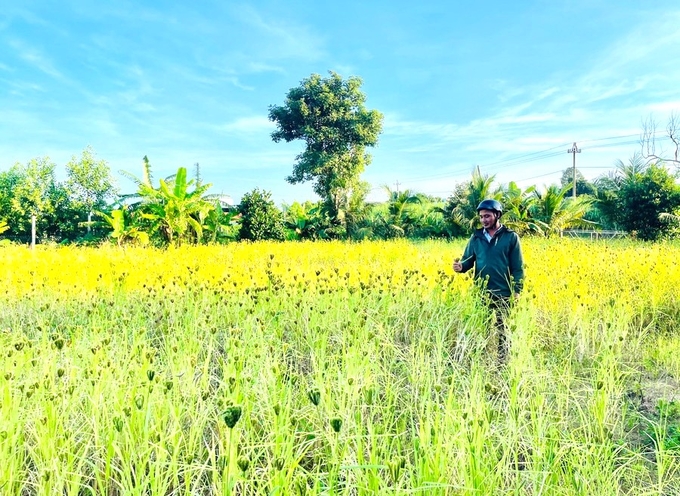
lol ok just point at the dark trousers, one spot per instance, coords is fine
(499, 306)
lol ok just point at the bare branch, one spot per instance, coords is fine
(648, 140)
(673, 132)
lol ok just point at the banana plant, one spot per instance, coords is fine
(120, 221)
(185, 211)
(172, 211)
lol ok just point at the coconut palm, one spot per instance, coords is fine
(461, 208)
(399, 218)
(517, 204)
(554, 211)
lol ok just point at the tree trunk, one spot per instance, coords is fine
(32, 231)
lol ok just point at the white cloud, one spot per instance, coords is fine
(668, 107)
(280, 38)
(36, 58)
(258, 67)
(254, 125)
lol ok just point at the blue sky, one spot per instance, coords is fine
(504, 85)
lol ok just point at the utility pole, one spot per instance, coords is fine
(574, 150)
(397, 183)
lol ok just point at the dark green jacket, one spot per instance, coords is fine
(498, 262)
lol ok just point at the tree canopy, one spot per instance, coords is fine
(329, 115)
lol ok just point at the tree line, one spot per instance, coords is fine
(640, 197)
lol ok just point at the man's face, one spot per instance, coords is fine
(488, 218)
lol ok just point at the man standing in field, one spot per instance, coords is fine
(496, 254)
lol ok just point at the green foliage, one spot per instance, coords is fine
(89, 180)
(517, 205)
(643, 199)
(8, 183)
(261, 219)
(36, 193)
(527, 211)
(123, 230)
(63, 219)
(461, 207)
(172, 213)
(554, 211)
(31, 194)
(329, 115)
(306, 221)
(608, 188)
(663, 429)
(221, 225)
(398, 217)
(31, 189)
(357, 210)
(583, 187)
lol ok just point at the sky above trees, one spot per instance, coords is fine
(508, 86)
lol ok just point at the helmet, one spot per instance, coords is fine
(493, 205)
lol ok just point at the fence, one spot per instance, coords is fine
(582, 233)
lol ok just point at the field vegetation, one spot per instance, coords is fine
(337, 368)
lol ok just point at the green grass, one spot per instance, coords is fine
(386, 389)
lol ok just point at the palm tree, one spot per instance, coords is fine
(461, 209)
(399, 216)
(554, 211)
(630, 172)
(517, 205)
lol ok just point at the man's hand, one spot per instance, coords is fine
(457, 266)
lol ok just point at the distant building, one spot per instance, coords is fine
(226, 202)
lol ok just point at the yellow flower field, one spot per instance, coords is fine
(337, 368)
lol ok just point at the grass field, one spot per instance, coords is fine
(332, 368)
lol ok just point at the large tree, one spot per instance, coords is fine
(329, 115)
(89, 182)
(583, 187)
(32, 195)
(8, 182)
(646, 199)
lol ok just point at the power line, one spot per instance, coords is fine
(524, 158)
(609, 145)
(542, 175)
(521, 157)
(574, 150)
(530, 157)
